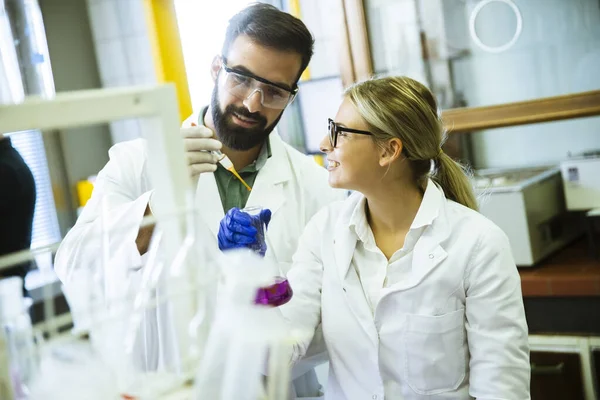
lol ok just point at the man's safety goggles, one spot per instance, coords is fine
(243, 85)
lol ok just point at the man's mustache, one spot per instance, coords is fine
(243, 112)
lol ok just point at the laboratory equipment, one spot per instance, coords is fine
(6, 382)
(30, 74)
(158, 107)
(73, 371)
(18, 334)
(528, 205)
(279, 291)
(228, 165)
(11, 85)
(581, 181)
(176, 304)
(276, 294)
(260, 245)
(240, 351)
(31, 50)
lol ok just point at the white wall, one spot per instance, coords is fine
(73, 154)
(557, 53)
(123, 50)
(202, 28)
(323, 18)
(394, 37)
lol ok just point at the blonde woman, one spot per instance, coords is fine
(417, 293)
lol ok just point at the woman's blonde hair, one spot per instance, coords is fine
(400, 107)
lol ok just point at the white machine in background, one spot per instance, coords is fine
(528, 204)
(581, 180)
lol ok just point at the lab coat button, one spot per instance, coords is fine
(374, 397)
(431, 256)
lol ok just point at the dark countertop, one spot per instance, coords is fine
(571, 272)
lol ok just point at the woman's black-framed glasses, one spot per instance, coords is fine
(243, 85)
(335, 129)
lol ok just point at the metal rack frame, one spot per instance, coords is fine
(156, 105)
(157, 108)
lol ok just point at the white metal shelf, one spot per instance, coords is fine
(158, 108)
(85, 107)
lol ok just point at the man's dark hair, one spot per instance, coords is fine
(270, 27)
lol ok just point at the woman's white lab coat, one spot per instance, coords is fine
(290, 184)
(454, 329)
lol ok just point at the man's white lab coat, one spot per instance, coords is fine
(455, 328)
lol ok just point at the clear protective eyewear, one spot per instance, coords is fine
(243, 85)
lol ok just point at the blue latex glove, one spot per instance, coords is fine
(238, 229)
(265, 217)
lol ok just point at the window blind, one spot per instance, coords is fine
(30, 145)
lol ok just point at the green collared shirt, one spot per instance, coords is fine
(232, 192)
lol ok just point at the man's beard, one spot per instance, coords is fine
(234, 136)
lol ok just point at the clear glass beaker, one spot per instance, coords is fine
(279, 291)
(18, 333)
(245, 338)
(260, 246)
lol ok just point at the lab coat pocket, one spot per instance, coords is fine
(435, 352)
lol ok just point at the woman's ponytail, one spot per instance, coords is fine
(454, 181)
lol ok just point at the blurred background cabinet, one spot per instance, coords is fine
(562, 367)
(556, 376)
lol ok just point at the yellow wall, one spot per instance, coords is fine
(296, 12)
(167, 50)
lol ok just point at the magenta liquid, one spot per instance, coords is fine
(275, 295)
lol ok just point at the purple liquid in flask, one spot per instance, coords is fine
(276, 294)
(280, 292)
